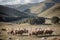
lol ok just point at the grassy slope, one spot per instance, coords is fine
(51, 12)
(38, 8)
(55, 28)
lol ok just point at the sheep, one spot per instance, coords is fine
(33, 32)
(48, 31)
(39, 31)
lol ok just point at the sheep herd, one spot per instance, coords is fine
(29, 31)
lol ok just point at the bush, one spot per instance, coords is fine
(38, 20)
(55, 20)
(32, 21)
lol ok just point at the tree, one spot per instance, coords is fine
(40, 20)
(37, 20)
(55, 20)
(32, 21)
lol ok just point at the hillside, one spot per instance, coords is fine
(56, 1)
(11, 14)
(53, 11)
(21, 7)
(37, 9)
(10, 11)
(42, 7)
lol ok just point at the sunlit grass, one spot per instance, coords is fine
(3, 34)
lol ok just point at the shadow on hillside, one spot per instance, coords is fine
(40, 36)
(47, 24)
(57, 24)
(23, 35)
(48, 36)
(43, 24)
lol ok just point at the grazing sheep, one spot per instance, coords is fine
(12, 32)
(40, 32)
(33, 32)
(20, 32)
(25, 30)
(16, 31)
(48, 31)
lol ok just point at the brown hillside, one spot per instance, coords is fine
(53, 11)
(38, 8)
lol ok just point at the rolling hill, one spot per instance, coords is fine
(43, 9)
(43, 6)
(53, 11)
(21, 7)
(10, 14)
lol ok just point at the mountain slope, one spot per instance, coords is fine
(37, 9)
(42, 7)
(21, 7)
(10, 14)
(26, 6)
(53, 11)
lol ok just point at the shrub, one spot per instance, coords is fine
(38, 20)
(32, 21)
(55, 20)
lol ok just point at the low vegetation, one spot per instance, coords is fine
(55, 20)
(40, 20)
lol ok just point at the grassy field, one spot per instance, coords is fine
(55, 28)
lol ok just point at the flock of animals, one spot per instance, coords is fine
(35, 31)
